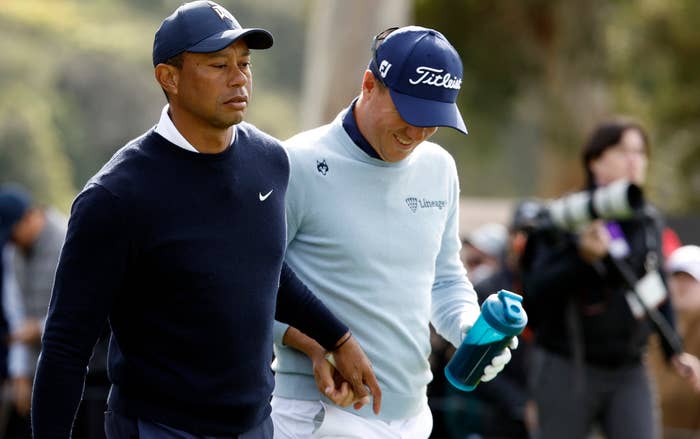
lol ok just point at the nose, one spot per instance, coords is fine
(238, 77)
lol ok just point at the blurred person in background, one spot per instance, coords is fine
(680, 405)
(482, 254)
(372, 227)
(179, 242)
(591, 336)
(13, 205)
(502, 408)
(483, 249)
(670, 241)
(34, 246)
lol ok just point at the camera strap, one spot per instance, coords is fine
(649, 291)
(655, 286)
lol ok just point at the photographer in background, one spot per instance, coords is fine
(590, 329)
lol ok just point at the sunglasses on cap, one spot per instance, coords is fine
(376, 42)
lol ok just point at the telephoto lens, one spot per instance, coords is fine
(617, 201)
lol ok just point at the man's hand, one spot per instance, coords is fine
(499, 361)
(594, 242)
(688, 367)
(22, 394)
(329, 381)
(29, 332)
(341, 377)
(355, 367)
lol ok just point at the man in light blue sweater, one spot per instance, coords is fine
(372, 228)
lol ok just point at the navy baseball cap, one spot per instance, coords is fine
(424, 75)
(14, 203)
(203, 27)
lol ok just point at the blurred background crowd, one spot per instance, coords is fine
(539, 76)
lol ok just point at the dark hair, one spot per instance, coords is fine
(176, 60)
(605, 136)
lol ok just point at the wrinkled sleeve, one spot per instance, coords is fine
(454, 301)
(293, 201)
(298, 307)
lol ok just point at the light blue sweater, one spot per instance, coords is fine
(378, 244)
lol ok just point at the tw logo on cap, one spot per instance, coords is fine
(221, 12)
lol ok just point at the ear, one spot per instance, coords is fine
(369, 82)
(168, 77)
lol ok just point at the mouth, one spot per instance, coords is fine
(404, 142)
(237, 102)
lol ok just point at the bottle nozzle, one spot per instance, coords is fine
(511, 305)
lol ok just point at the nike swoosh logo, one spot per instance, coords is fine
(264, 197)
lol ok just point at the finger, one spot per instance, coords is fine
(362, 402)
(348, 396)
(336, 397)
(359, 403)
(342, 396)
(324, 380)
(513, 343)
(358, 387)
(490, 372)
(376, 392)
(328, 387)
(501, 359)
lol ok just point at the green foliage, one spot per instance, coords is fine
(540, 74)
(76, 83)
(30, 154)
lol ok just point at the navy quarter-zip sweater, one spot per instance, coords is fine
(182, 252)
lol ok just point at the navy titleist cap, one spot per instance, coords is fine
(424, 74)
(203, 27)
(14, 203)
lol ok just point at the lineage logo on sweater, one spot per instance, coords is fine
(414, 204)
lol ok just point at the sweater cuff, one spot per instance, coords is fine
(278, 331)
(297, 306)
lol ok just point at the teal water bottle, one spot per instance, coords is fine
(502, 318)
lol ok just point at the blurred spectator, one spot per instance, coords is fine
(482, 250)
(670, 241)
(590, 335)
(680, 405)
(14, 203)
(481, 254)
(11, 210)
(34, 244)
(502, 408)
(32, 253)
(9, 294)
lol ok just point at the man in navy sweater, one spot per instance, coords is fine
(179, 241)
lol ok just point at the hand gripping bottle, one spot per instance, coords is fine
(502, 317)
